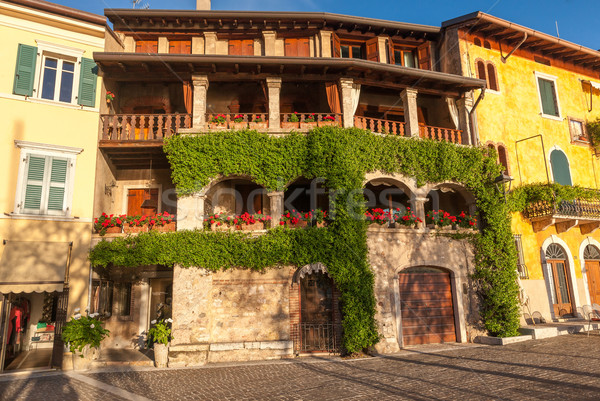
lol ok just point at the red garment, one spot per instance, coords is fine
(17, 314)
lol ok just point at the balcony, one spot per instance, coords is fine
(565, 215)
(398, 128)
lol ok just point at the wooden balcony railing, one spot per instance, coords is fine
(142, 127)
(440, 134)
(320, 120)
(227, 120)
(380, 126)
(577, 208)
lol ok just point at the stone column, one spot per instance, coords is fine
(163, 44)
(411, 116)
(197, 45)
(276, 203)
(346, 95)
(210, 43)
(129, 43)
(418, 207)
(144, 302)
(269, 40)
(190, 212)
(464, 105)
(325, 37)
(274, 90)
(382, 49)
(200, 83)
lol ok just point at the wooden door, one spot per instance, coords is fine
(592, 269)
(317, 332)
(426, 306)
(135, 198)
(562, 289)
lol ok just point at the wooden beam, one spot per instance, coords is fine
(123, 67)
(145, 67)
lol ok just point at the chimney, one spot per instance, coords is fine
(202, 4)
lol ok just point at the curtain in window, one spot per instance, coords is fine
(355, 95)
(453, 110)
(333, 97)
(188, 91)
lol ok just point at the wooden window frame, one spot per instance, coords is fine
(479, 62)
(539, 75)
(403, 50)
(126, 189)
(578, 139)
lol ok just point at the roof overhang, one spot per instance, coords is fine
(182, 20)
(61, 10)
(537, 42)
(177, 67)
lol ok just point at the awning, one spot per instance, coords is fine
(33, 266)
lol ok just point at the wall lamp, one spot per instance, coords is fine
(501, 182)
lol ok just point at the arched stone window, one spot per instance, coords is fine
(477, 42)
(503, 158)
(487, 44)
(560, 167)
(491, 77)
(481, 70)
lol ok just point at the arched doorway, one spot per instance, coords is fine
(426, 306)
(319, 329)
(562, 299)
(591, 256)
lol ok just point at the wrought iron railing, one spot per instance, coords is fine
(576, 208)
(317, 337)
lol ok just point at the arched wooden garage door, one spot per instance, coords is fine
(427, 310)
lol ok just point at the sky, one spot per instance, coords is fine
(578, 20)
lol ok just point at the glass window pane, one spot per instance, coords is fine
(66, 86)
(122, 300)
(409, 59)
(398, 57)
(51, 62)
(562, 282)
(356, 53)
(68, 66)
(345, 51)
(48, 82)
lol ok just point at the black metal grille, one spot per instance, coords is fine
(61, 318)
(323, 337)
(575, 208)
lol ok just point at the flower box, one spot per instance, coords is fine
(258, 125)
(114, 230)
(308, 125)
(238, 126)
(252, 227)
(221, 227)
(217, 126)
(328, 123)
(127, 229)
(299, 224)
(290, 125)
(320, 224)
(168, 227)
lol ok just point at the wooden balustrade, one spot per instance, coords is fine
(227, 120)
(440, 134)
(308, 121)
(380, 126)
(142, 127)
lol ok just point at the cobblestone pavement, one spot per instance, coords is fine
(565, 367)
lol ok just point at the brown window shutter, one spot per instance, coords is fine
(336, 46)
(391, 55)
(424, 53)
(303, 47)
(235, 47)
(372, 49)
(247, 47)
(146, 46)
(291, 47)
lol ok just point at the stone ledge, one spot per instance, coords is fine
(276, 344)
(489, 340)
(189, 348)
(539, 332)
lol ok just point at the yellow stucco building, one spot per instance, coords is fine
(49, 97)
(540, 93)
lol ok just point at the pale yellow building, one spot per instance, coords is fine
(541, 92)
(49, 97)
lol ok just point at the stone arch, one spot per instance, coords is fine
(585, 243)
(457, 295)
(388, 193)
(463, 198)
(303, 195)
(235, 195)
(548, 277)
(308, 269)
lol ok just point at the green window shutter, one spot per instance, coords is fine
(560, 168)
(87, 83)
(58, 180)
(25, 71)
(35, 182)
(548, 95)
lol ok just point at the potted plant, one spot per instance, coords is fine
(258, 123)
(293, 121)
(81, 334)
(238, 122)
(219, 222)
(162, 222)
(408, 219)
(467, 221)
(319, 217)
(249, 222)
(135, 224)
(295, 219)
(109, 224)
(159, 335)
(109, 97)
(440, 219)
(310, 122)
(593, 132)
(378, 216)
(328, 121)
(218, 121)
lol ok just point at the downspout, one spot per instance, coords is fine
(474, 137)
(514, 49)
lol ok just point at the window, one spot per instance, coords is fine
(122, 299)
(180, 46)
(481, 73)
(405, 57)
(549, 105)
(487, 44)
(487, 72)
(351, 50)
(521, 267)
(45, 182)
(477, 42)
(503, 158)
(560, 167)
(56, 73)
(241, 47)
(578, 131)
(297, 47)
(110, 298)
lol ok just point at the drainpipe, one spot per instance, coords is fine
(474, 137)
(514, 49)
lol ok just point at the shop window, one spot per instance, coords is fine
(578, 131)
(560, 167)
(110, 298)
(548, 97)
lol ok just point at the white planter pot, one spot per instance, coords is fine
(161, 355)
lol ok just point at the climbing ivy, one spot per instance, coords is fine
(342, 157)
(525, 195)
